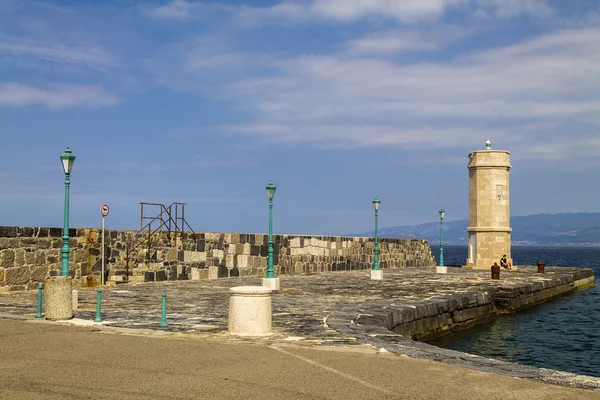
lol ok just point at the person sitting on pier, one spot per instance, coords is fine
(505, 263)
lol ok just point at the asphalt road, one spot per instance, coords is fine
(41, 360)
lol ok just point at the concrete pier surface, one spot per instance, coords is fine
(344, 311)
(50, 361)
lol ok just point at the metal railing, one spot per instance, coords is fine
(170, 219)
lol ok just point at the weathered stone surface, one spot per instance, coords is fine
(1, 275)
(58, 304)
(38, 273)
(17, 275)
(7, 258)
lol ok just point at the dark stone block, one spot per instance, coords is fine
(25, 231)
(223, 271)
(286, 242)
(275, 257)
(254, 250)
(200, 245)
(220, 244)
(301, 242)
(334, 266)
(244, 237)
(113, 234)
(180, 255)
(8, 231)
(94, 252)
(172, 273)
(149, 276)
(264, 250)
(55, 232)
(98, 266)
(202, 265)
(234, 272)
(252, 239)
(216, 262)
(160, 276)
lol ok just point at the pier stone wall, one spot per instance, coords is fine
(29, 254)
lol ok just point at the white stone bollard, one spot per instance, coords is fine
(250, 311)
(441, 270)
(376, 275)
(271, 283)
(57, 297)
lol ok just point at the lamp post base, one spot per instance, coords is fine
(58, 297)
(441, 270)
(376, 274)
(271, 283)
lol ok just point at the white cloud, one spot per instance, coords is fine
(513, 8)
(185, 10)
(398, 41)
(57, 97)
(348, 11)
(527, 93)
(94, 57)
(177, 9)
(403, 11)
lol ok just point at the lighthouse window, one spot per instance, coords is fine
(499, 189)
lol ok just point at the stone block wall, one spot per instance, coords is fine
(246, 254)
(27, 255)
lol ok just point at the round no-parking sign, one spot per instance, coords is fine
(104, 210)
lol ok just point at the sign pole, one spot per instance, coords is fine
(102, 277)
(104, 212)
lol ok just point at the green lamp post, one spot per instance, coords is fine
(442, 212)
(67, 158)
(271, 193)
(376, 203)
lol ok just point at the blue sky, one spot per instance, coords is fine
(336, 101)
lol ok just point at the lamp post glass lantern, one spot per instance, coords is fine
(376, 203)
(271, 193)
(67, 159)
(442, 213)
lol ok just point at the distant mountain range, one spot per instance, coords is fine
(536, 230)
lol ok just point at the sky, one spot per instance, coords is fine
(335, 101)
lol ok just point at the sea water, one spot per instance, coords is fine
(562, 334)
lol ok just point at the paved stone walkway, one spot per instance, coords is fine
(301, 308)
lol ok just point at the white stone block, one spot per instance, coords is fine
(242, 261)
(230, 261)
(213, 272)
(195, 274)
(441, 270)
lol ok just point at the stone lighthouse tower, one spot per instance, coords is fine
(489, 207)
